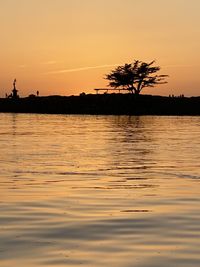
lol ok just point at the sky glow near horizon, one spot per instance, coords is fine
(67, 46)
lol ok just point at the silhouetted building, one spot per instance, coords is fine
(14, 94)
(14, 91)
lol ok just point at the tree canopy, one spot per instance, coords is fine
(135, 76)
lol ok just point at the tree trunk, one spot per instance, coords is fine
(137, 92)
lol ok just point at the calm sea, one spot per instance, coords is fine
(95, 191)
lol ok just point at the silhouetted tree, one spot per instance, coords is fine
(135, 76)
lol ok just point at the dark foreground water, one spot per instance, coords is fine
(99, 191)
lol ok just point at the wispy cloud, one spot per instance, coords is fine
(22, 66)
(81, 69)
(180, 66)
(50, 62)
(106, 66)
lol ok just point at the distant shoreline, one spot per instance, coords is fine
(103, 104)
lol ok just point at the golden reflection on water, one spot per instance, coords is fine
(99, 191)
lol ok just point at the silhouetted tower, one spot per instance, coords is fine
(14, 91)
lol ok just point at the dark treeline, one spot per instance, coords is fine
(108, 104)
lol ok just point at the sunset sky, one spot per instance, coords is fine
(67, 46)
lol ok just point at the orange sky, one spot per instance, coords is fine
(67, 46)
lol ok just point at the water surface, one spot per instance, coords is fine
(99, 191)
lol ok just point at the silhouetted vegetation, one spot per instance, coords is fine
(135, 76)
